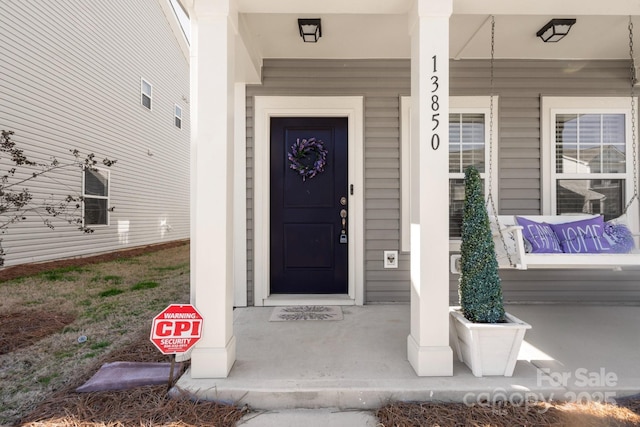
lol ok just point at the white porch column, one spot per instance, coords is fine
(212, 103)
(428, 343)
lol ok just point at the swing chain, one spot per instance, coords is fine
(491, 67)
(490, 201)
(632, 79)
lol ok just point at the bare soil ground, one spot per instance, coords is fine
(111, 299)
(29, 326)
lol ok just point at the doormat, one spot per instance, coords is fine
(306, 312)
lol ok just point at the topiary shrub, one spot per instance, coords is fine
(480, 289)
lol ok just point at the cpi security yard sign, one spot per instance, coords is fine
(176, 329)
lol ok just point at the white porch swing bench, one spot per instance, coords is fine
(520, 259)
(508, 234)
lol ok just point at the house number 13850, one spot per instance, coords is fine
(435, 105)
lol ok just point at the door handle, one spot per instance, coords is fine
(343, 233)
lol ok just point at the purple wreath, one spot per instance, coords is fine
(308, 157)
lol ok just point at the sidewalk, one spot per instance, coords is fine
(309, 418)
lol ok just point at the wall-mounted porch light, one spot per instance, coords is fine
(555, 30)
(310, 30)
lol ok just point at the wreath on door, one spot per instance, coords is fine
(308, 157)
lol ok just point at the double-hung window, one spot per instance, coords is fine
(589, 166)
(145, 92)
(177, 116)
(95, 191)
(469, 145)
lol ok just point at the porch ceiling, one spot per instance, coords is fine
(364, 29)
(374, 35)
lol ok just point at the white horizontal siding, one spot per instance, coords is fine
(71, 80)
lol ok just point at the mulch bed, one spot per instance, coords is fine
(452, 414)
(507, 415)
(142, 406)
(24, 270)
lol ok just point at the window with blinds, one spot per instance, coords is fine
(96, 197)
(467, 147)
(590, 163)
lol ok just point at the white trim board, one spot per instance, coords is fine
(352, 108)
(240, 198)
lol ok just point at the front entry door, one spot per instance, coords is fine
(309, 214)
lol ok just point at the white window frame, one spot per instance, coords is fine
(177, 115)
(143, 93)
(92, 196)
(550, 106)
(457, 104)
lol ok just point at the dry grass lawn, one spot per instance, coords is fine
(111, 303)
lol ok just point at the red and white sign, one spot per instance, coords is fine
(176, 329)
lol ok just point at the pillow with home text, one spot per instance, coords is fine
(582, 237)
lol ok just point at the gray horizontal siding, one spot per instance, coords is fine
(519, 85)
(560, 285)
(381, 83)
(71, 80)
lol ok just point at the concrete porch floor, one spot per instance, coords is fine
(572, 351)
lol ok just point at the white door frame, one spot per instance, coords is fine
(350, 107)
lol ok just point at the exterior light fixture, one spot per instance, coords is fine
(310, 30)
(555, 30)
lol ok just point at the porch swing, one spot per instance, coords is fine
(516, 252)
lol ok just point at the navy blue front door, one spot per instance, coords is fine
(308, 252)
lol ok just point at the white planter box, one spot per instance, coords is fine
(487, 348)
